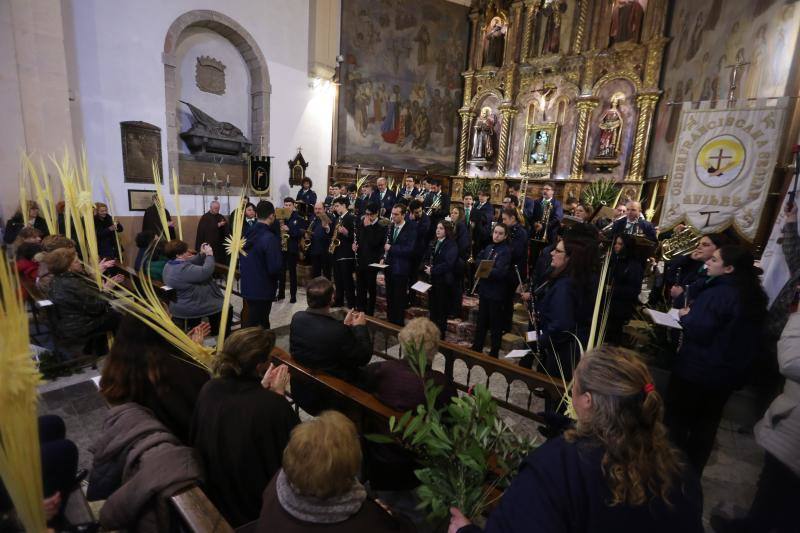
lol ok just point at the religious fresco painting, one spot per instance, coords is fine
(401, 83)
(706, 45)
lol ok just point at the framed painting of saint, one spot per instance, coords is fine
(541, 144)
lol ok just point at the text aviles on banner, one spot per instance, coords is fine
(724, 160)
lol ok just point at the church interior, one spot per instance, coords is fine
(542, 256)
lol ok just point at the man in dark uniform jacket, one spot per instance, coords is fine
(295, 227)
(437, 196)
(322, 342)
(343, 256)
(260, 268)
(320, 240)
(364, 198)
(409, 190)
(212, 230)
(484, 214)
(518, 242)
(423, 223)
(399, 250)
(369, 249)
(527, 203)
(634, 224)
(556, 213)
(305, 194)
(384, 198)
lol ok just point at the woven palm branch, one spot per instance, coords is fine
(20, 461)
(601, 193)
(474, 185)
(43, 192)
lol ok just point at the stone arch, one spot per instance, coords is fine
(627, 75)
(241, 39)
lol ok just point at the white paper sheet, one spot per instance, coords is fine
(664, 319)
(516, 354)
(532, 336)
(421, 286)
(378, 265)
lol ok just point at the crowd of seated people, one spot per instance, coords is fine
(633, 459)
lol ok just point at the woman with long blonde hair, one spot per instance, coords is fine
(615, 471)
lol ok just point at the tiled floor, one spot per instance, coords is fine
(728, 482)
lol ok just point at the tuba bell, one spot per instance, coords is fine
(682, 243)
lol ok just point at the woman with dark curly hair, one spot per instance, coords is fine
(616, 471)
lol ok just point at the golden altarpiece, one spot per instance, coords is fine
(561, 89)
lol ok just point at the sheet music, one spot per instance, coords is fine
(532, 336)
(516, 354)
(664, 319)
(421, 286)
(378, 265)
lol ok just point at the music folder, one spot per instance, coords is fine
(484, 268)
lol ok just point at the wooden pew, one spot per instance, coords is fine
(165, 292)
(197, 512)
(537, 384)
(368, 405)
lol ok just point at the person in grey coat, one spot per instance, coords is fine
(138, 465)
(197, 295)
(778, 432)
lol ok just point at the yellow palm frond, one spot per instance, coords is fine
(235, 246)
(20, 461)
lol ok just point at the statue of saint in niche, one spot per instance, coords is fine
(552, 30)
(483, 136)
(494, 43)
(626, 21)
(611, 129)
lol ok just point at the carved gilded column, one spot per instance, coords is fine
(652, 68)
(508, 113)
(585, 107)
(583, 13)
(463, 143)
(646, 102)
(468, 81)
(531, 6)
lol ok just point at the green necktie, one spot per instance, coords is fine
(394, 235)
(468, 217)
(436, 248)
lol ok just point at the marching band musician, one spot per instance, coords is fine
(441, 270)
(570, 205)
(383, 197)
(400, 240)
(343, 256)
(295, 227)
(721, 339)
(352, 198)
(462, 238)
(484, 215)
(363, 199)
(369, 249)
(422, 223)
(518, 242)
(437, 198)
(333, 192)
(492, 291)
(634, 223)
(320, 240)
(250, 219)
(690, 270)
(305, 194)
(627, 272)
(564, 304)
(527, 203)
(409, 190)
(539, 210)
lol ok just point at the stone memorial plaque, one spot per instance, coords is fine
(141, 144)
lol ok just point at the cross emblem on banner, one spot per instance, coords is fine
(719, 158)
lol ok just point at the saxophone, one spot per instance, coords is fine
(335, 241)
(284, 237)
(541, 235)
(306, 244)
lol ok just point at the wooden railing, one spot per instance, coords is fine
(384, 335)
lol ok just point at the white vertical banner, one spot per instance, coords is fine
(773, 262)
(723, 163)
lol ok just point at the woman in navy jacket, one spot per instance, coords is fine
(616, 471)
(492, 291)
(461, 236)
(564, 304)
(441, 268)
(626, 276)
(721, 336)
